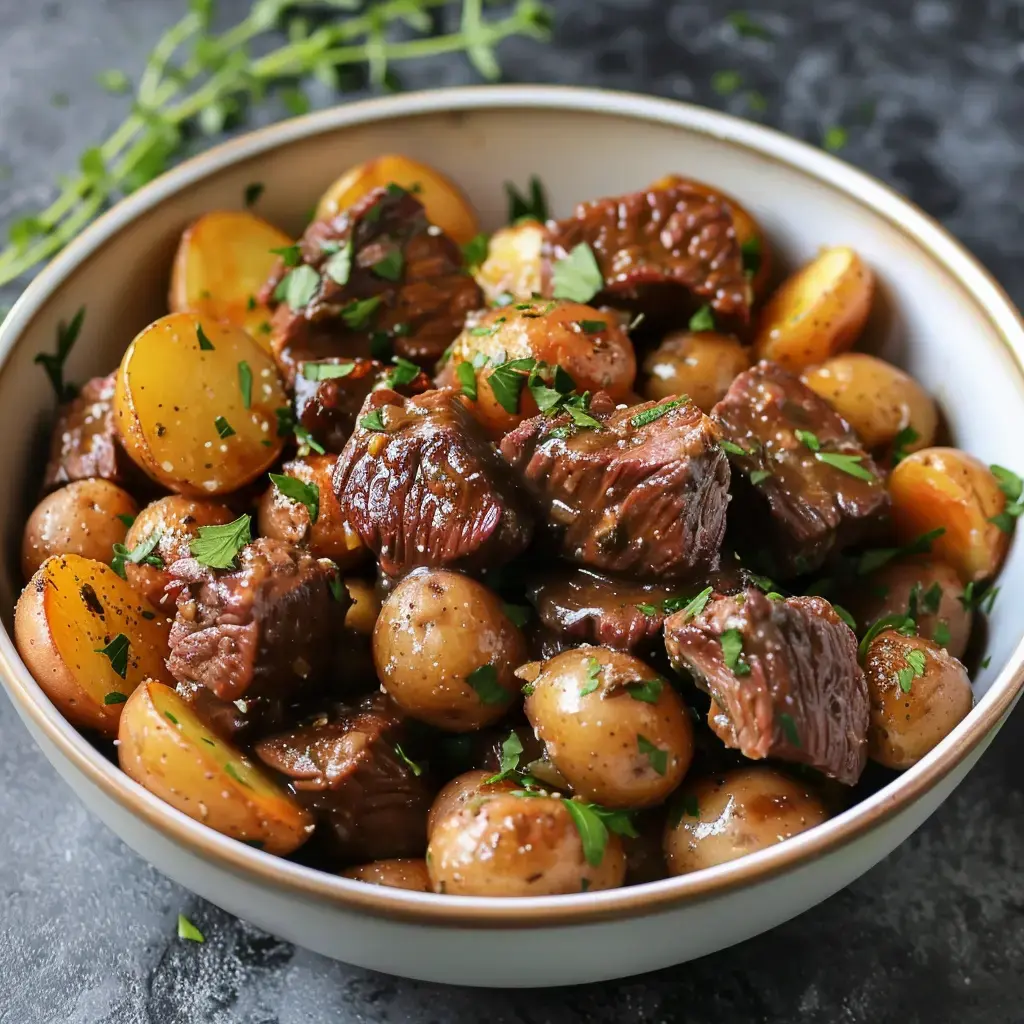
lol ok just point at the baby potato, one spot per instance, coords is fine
(517, 846)
(187, 411)
(876, 398)
(88, 639)
(442, 199)
(919, 693)
(591, 346)
(164, 530)
(723, 817)
(164, 746)
(513, 264)
(817, 312)
(87, 517)
(757, 253)
(932, 587)
(365, 607)
(446, 652)
(286, 518)
(617, 731)
(462, 790)
(223, 260)
(949, 489)
(397, 873)
(699, 364)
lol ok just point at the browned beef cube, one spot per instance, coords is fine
(813, 486)
(783, 677)
(263, 632)
(665, 251)
(327, 404)
(644, 494)
(347, 769)
(384, 280)
(84, 441)
(422, 486)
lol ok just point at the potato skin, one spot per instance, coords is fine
(600, 740)
(907, 723)
(738, 812)
(513, 264)
(365, 607)
(947, 488)
(442, 199)
(71, 609)
(887, 592)
(434, 631)
(81, 518)
(699, 364)
(396, 873)
(175, 394)
(165, 747)
(330, 536)
(463, 789)
(177, 519)
(517, 846)
(876, 398)
(817, 312)
(552, 333)
(223, 260)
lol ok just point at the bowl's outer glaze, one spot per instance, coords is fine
(938, 314)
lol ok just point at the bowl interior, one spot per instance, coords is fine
(926, 320)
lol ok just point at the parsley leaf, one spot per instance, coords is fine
(307, 494)
(326, 371)
(593, 677)
(217, 546)
(474, 252)
(114, 697)
(372, 421)
(224, 429)
(339, 266)
(906, 437)
(850, 464)
(747, 27)
(845, 616)
(358, 313)
(467, 379)
(657, 757)
(641, 419)
(245, 383)
(1011, 486)
(298, 287)
(759, 476)
(205, 345)
(592, 326)
(187, 930)
(900, 623)
(914, 670)
(506, 382)
(697, 605)
(532, 207)
(577, 277)
(141, 554)
(752, 251)
(942, 635)
(518, 613)
(808, 439)
(390, 265)
(511, 750)
(593, 824)
(732, 652)
(484, 681)
(117, 653)
(733, 449)
(646, 690)
(835, 138)
(252, 193)
(291, 255)
(703, 320)
(874, 559)
(404, 372)
(416, 769)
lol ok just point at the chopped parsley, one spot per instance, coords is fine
(646, 690)
(252, 193)
(726, 82)
(205, 345)
(808, 439)
(307, 441)
(511, 750)
(641, 419)
(703, 320)
(506, 382)
(298, 287)
(759, 476)
(390, 266)
(733, 449)
(405, 372)
(915, 669)
(141, 554)
(752, 252)
(116, 652)
(359, 312)
(416, 769)
(291, 255)
(245, 383)
(941, 634)
(593, 824)
(695, 606)
(126, 518)
(217, 546)
(901, 442)
(647, 609)
(67, 335)
(114, 697)
(592, 680)
(474, 252)
(326, 371)
(187, 930)
(747, 27)
(171, 718)
(577, 277)
(224, 429)
(845, 616)
(519, 614)
(467, 380)
(732, 652)
(339, 266)
(592, 326)
(336, 586)
(850, 464)
(902, 624)
(1011, 485)
(484, 680)
(657, 757)
(372, 421)
(874, 559)
(527, 207)
(299, 491)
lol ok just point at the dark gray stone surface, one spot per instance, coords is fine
(936, 932)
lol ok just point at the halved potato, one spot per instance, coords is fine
(513, 265)
(73, 610)
(445, 204)
(949, 489)
(223, 260)
(181, 409)
(164, 746)
(817, 312)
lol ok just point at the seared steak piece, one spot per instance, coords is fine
(665, 251)
(783, 677)
(581, 606)
(263, 632)
(385, 278)
(327, 405)
(811, 481)
(84, 442)
(644, 494)
(347, 769)
(421, 485)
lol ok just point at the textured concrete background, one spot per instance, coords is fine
(931, 93)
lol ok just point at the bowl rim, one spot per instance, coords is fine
(309, 884)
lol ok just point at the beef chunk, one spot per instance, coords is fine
(422, 486)
(788, 434)
(263, 632)
(346, 768)
(783, 677)
(84, 441)
(644, 494)
(585, 607)
(405, 286)
(665, 251)
(327, 406)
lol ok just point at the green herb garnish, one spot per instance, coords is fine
(405, 372)
(116, 652)
(592, 326)
(646, 690)
(641, 419)
(307, 494)
(67, 335)
(915, 669)
(467, 380)
(577, 277)
(339, 265)
(531, 207)
(224, 429)
(850, 464)
(217, 546)
(390, 266)
(474, 252)
(114, 697)
(187, 930)
(373, 421)
(759, 476)
(416, 769)
(327, 371)
(657, 757)
(732, 652)
(901, 442)
(506, 382)
(298, 287)
(696, 605)
(245, 383)
(252, 193)
(703, 320)
(902, 624)
(592, 680)
(511, 750)
(484, 680)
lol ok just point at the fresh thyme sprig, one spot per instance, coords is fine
(196, 78)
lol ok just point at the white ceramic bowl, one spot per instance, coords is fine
(940, 315)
